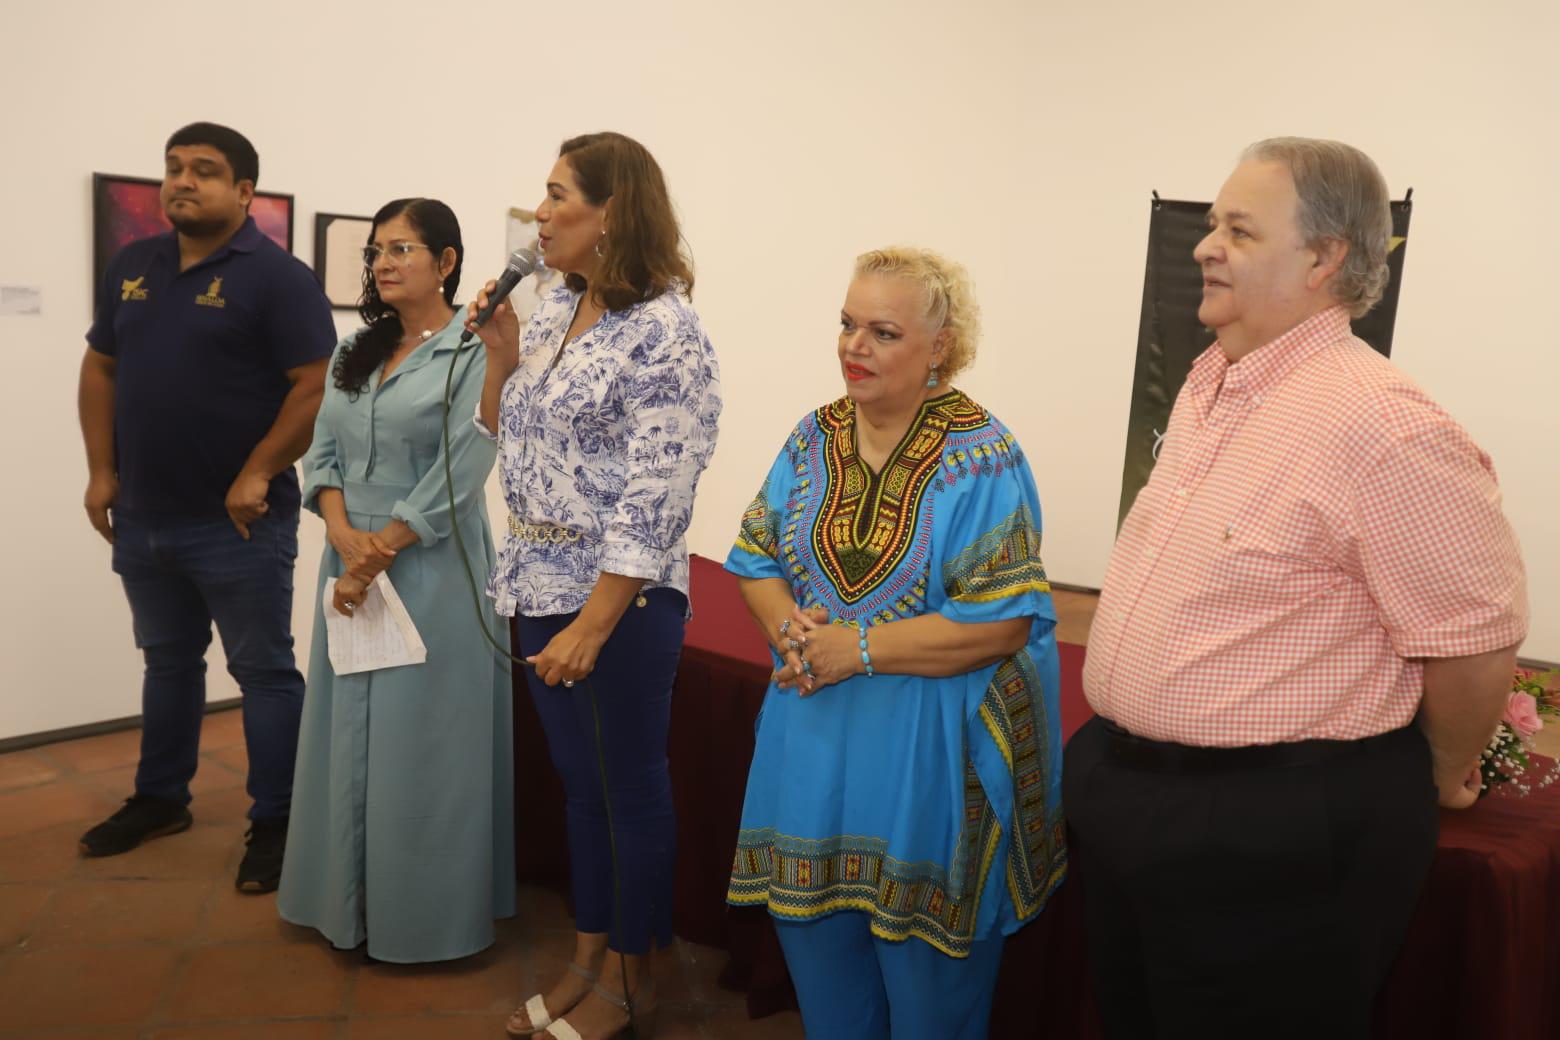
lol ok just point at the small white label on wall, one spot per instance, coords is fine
(20, 299)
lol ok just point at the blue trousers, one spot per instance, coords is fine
(632, 682)
(180, 575)
(854, 986)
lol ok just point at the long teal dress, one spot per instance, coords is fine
(931, 804)
(402, 830)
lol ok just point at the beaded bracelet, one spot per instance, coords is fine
(866, 658)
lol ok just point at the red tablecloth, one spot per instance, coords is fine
(1482, 958)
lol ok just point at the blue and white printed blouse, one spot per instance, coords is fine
(606, 438)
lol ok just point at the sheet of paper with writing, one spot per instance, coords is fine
(378, 634)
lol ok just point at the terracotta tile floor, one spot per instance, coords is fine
(157, 945)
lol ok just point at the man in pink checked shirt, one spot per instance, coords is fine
(1305, 638)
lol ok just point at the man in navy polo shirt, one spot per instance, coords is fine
(205, 368)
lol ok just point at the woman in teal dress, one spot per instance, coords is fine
(902, 813)
(402, 831)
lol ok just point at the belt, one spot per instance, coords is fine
(1164, 757)
(541, 532)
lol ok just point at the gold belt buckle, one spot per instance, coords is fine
(541, 532)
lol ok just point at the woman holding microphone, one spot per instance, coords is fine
(605, 413)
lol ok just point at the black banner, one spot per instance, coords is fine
(1170, 338)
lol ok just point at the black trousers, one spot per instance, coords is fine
(1250, 893)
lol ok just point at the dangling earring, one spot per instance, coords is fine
(600, 240)
(931, 378)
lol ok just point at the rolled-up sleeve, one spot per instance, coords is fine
(673, 405)
(482, 427)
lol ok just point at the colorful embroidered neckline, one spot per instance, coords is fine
(865, 526)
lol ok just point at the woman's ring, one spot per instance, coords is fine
(785, 626)
(568, 682)
(351, 606)
(793, 644)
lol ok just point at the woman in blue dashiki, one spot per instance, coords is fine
(605, 416)
(902, 813)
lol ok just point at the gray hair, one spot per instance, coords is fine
(1342, 196)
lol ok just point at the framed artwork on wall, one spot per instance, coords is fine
(127, 208)
(338, 256)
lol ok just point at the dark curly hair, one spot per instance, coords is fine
(643, 246)
(364, 353)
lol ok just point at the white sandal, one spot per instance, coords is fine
(641, 1022)
(536, 1009)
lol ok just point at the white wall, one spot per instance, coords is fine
(1022, 138)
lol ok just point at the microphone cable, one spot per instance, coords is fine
(477, 602)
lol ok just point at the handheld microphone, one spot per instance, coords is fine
(521, 263)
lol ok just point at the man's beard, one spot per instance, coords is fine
(195, 227)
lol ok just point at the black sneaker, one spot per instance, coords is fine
(261, 870)
(137, 820)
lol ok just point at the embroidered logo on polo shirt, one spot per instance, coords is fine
(212, 297)
(130, 289)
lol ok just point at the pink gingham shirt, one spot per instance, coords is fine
(1314, 524)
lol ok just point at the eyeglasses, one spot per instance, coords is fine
(397, 251)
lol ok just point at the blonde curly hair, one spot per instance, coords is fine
(947, 291)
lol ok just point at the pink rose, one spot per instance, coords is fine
(1522, 715)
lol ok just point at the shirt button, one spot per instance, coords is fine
(1256, 399)
(1183, 492)
(1149, 554)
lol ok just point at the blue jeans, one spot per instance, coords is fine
(633, 686)
(180, 575)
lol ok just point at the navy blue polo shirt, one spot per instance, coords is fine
(201, 365)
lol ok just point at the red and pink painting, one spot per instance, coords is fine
(127, 208)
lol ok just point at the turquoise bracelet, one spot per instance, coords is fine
(866, 658)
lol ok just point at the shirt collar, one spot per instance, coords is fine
(443, 341)
(245, 240)
(1264, 368)
(448, 337)
(168, 247)
(571, 300)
